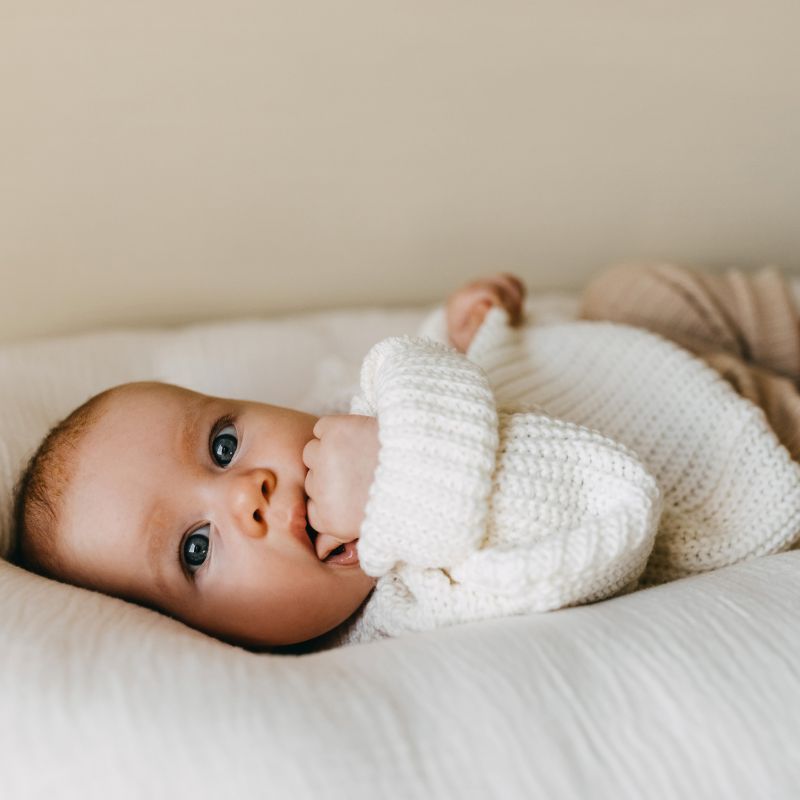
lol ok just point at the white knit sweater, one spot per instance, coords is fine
(531, 474)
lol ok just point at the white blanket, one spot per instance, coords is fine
(691, 689)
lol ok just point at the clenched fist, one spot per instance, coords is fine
(467, 308)
(341, 461)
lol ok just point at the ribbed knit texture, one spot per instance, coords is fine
(473, 514)
(730, 490)
(438, 436)
(617, 459)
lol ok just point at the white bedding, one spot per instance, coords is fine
(691, 689)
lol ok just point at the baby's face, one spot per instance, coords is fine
(196, 505)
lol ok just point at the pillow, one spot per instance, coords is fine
(688, 689)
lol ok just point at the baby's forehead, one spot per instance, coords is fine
(153, 389)
(147, 396)
(124, 460)
(130, 412)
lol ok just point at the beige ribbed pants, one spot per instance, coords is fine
(745, 325)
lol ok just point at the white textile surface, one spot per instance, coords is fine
(691, 689)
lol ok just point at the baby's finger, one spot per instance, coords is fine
(491, 293)
(309, 484)
(511, 288)
(511, 293)
(325, 544)
(514, 282)
(320, 426)
(310, 453)
(479, 309)
(497, 294)
(312, 515)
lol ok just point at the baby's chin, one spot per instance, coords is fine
(337, 598)
(306, 639)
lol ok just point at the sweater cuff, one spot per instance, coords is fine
(438, 433)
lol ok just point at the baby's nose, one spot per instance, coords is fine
(249, 502)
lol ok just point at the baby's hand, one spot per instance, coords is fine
(467, 307)
(341, 462)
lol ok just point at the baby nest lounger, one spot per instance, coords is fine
(689, 689)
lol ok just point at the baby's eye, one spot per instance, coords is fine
(223, 445)
(195, 548)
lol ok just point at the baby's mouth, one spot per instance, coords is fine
(339, 554)
(344, 554)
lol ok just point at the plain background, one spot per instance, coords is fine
(166, 162)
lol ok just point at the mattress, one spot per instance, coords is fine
(690, 689)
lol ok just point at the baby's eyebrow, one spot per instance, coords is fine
(158, 534)
(191, 429)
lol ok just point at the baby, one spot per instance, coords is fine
(509, 470)
(205, 508)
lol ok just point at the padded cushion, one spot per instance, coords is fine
(688, 689)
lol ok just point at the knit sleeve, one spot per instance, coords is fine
(438, 434)
(574, 516)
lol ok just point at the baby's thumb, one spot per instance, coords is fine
(325, 545)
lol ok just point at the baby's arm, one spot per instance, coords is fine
(573, 515)
(437, 434)
(342, 457)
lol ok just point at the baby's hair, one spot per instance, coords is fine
(41, 487)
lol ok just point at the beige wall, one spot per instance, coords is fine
(166, 161)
